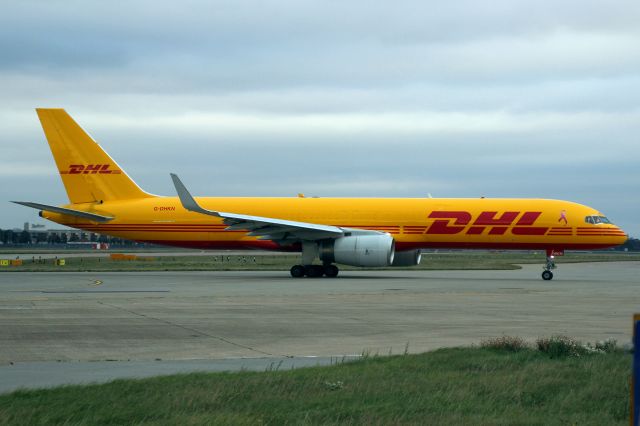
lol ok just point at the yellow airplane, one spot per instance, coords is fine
(351, 231)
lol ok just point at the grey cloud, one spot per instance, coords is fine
(301, 43)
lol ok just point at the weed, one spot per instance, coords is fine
(607, 346)
(559, 346)
(505, 343)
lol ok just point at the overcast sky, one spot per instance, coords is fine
(331, 98)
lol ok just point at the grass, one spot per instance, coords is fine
(447, 386)
(476, 260)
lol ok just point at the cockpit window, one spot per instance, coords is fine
(596, 219)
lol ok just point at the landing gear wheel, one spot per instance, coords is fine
(313, 271)
(331, 271)
(547, 275)
(297, 271)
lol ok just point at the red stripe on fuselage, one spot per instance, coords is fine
(400, 246)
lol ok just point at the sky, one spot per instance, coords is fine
(508, 98)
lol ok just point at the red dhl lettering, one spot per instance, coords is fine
(86, 169)
(455, 222)
(461, 219)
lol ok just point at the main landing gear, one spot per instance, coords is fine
(309, 254)
(551, 264)
(314, 271)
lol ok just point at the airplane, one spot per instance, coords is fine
(366, 232)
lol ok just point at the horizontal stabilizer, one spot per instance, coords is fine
(68, 212)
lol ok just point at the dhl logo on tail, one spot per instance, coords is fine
(86, 169)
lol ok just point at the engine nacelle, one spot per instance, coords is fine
(407, 258)
(359, 250)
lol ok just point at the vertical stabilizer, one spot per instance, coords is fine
(88, 173)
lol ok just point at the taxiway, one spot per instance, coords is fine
(151, 317)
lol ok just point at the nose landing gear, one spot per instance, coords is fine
(547, 275)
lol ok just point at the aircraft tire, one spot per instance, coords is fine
(313, 271)
(331, 271)
(547, 275)
(297, 271)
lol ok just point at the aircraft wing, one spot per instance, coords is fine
(265, 228)
(68, 212)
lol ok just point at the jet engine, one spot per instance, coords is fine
(359, 250)
(407, 258)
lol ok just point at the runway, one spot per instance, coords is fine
(209, 318)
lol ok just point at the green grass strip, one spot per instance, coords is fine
(448, 386)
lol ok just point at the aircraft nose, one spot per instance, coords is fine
(619, 234)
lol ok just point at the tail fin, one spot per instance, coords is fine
(88, 173)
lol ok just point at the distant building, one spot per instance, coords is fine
(57, 236)
(37, 234)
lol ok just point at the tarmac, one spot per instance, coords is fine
(61, 328)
